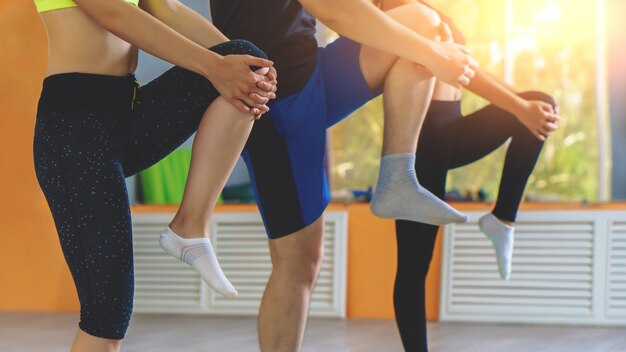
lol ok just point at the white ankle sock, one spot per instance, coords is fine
(502, 237)
(399, 196)
(199, 254)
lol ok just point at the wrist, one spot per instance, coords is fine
(430, 56)
(209, 64)
(520, 107)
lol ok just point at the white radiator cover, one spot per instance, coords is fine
(616, 272)
(165, 285)
(569, 267)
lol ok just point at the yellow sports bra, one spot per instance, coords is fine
(49, 5)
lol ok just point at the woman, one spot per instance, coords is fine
(449, 140)
(95, 126)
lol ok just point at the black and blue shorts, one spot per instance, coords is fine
(286, 150)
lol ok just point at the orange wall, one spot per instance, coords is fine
(32, 270)
(372, 267)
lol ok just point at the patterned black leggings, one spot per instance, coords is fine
(92, 131)
(448, 141)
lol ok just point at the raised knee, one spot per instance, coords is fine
(537, 95)
(419, 17)
(238, 47)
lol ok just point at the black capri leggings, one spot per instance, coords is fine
(448, 141)
(92, 131)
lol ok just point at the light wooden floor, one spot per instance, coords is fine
(26, 332)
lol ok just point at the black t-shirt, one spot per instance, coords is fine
(283, 29)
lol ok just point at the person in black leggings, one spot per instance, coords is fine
(96, 125)
(91, 134)
(450, 140)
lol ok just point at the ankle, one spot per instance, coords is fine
(186, 227)
(506, 222)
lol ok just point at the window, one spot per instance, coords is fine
(549, 45)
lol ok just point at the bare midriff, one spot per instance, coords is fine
(78, 44)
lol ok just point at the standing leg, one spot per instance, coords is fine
(292, 192)
(289, 179)
(416, 240)
(296, 262)
(77, 165)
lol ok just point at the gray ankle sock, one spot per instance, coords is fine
(399, 195)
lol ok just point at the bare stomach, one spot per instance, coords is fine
(78, 44)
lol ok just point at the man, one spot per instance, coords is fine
(318, 88)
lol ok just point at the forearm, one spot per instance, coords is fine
(502, 83)
(149, 34)
(368, 25)
(495, 92)
(186, 21)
